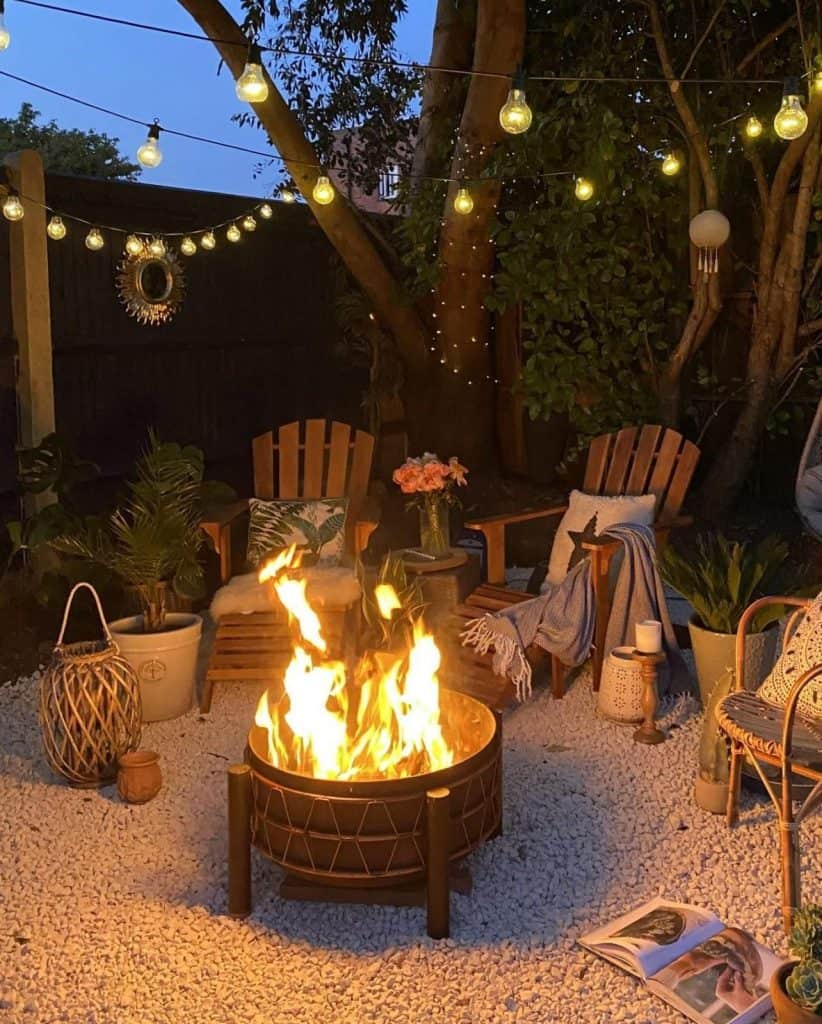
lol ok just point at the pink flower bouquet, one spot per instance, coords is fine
(428, 474)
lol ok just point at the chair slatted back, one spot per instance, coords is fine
(315, 459)
(643, 460)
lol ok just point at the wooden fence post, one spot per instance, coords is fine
(30, 306)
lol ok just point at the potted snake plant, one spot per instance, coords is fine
(151, 542)
(796, 988)
(720, 578)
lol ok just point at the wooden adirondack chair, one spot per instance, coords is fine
(650, 459)
(314, 459)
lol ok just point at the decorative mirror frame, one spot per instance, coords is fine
(147, 310)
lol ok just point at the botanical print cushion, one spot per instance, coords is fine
(802, 652)
(316, 527)
(588, 516)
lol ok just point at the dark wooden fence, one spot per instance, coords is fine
(254, 345)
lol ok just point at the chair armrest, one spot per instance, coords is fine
(216, 524)
(744, 622)
(493, 529)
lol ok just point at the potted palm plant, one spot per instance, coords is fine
(151, 542)
(720, 578)
(796, 988)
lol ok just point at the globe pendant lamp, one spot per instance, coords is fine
(709, 231)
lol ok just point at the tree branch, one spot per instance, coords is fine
(338, 220)
(702, 38)
(764, 43)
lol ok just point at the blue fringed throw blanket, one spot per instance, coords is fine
(561, 619)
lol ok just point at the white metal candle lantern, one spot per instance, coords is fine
(709, 230)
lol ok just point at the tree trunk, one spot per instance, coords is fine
(338, 220)
(466, 253)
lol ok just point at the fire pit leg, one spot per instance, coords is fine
(438, 834)
(239, 840)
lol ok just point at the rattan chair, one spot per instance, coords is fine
(781, 737)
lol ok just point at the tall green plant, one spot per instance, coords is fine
(153, 539)
(720, 578)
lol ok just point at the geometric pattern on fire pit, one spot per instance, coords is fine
(362, 841)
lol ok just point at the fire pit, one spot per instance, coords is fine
(366, 783)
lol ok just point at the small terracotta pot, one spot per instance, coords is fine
(139, 778)
(787, 1012)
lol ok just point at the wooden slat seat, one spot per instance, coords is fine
(635, 460)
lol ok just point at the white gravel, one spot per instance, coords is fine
(111, 914)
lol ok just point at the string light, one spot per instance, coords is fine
(188, 246)
(753, 127)
(266, 212)
(583, 189)
(251, 85)
(56, 229)
(249, 224)
(671, 164)
(463, 203)
(149, 154)
(323, 191)
(5, 35)
(287, 195)
(157, 248)
(12, 207)
(94, 240)
(791, 120)
(134, 245)
(515, 115)
(233, 233)
(208, 241)
(817, 81)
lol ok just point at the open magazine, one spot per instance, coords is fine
(686, 955)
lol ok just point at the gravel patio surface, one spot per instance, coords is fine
(112, 914)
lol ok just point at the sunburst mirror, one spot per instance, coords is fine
(151, 284)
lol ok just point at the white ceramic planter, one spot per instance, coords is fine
(716, 652)
(165, 663)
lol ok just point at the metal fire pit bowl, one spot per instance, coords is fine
(384, 841)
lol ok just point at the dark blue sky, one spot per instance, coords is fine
(148, 75)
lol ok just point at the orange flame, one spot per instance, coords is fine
(383, 724)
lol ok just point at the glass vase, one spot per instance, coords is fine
(435, 533)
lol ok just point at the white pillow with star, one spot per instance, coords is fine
(588, 516)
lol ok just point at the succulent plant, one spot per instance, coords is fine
(806, 933)
(804, 985)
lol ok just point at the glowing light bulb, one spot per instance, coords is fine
(249, 224)
(287, 195)
(817, 81)
(323, 191)
(94, 240)
(251, 85)
(188, 246)
(583, 189)
(150, 154)
(515, 115)
(12, 207)
(463, 203)
(671, 164)
(266, 211)
(56, 229)
(753, 127)
(208, 241)
(5, 35)
(157, 248)
(134, 245)
(233, 234)
(791, 120)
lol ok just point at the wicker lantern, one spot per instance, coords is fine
(90, 709)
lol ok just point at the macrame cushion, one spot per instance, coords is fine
(316, 527)
(588, 516)
(802, 653)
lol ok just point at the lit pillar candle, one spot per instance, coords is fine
(649, 636)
